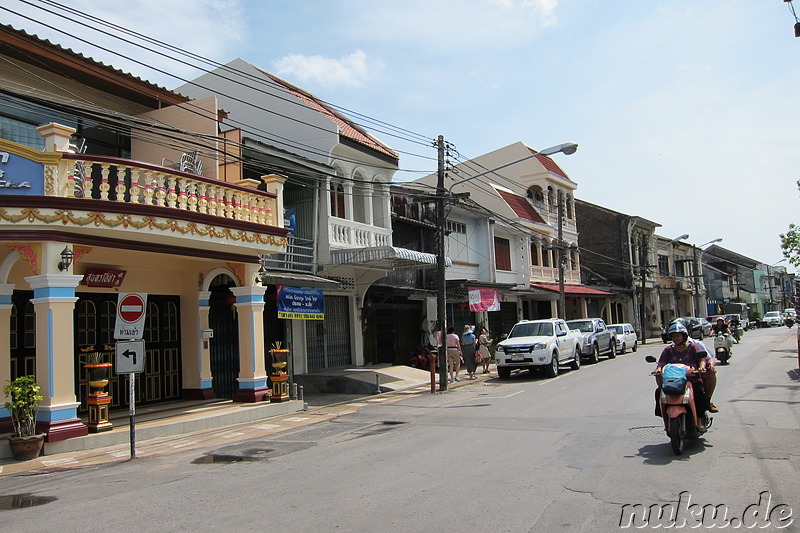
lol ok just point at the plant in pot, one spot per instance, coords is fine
(98, 373)
(24, 398)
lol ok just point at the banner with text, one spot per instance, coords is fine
(301, 304)
(483, 299)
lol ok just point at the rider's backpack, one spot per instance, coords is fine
(673, 379)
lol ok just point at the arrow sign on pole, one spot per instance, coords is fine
(129, 357)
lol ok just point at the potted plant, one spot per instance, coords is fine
(23, 393)
(98, 373)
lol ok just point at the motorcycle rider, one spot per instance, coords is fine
(683, 352)
(709, 377)
(721, 326)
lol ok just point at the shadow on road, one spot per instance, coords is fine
(662, 454)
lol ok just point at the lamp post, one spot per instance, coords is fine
(697, 271)
(442, 195)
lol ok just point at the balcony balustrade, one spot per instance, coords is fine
(550, 275)
(125, 181)
(345, 233)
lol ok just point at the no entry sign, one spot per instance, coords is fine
(131, 307)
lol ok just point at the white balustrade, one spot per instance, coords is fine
(120, 182)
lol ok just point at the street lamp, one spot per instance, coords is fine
(697, 272)
(442, 195)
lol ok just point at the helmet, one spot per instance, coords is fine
(720, 318)
(677, 327)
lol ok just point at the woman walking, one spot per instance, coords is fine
(468, 350)
(483, 350)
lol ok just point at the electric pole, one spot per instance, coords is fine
(441, 312)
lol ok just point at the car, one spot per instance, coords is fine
(597, 338)
(538, 344)
(773, 318)
(693, 326)
(706, 325)
(626, 337)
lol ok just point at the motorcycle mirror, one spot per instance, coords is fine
(650, 359)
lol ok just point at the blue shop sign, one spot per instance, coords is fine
(302, 304)
(19, 175)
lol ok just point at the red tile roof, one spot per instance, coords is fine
(521, 206)
(347, 128)
(549, 164)
(571, 289)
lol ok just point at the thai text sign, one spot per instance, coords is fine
(483, 299)
(302, 304)
(100, 277)
(131, 307)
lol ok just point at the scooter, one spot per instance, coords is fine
(722, 347)
(676, 401)
(421, 358)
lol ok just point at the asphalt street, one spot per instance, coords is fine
(525, 454)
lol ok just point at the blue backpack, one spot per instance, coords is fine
(673, 379)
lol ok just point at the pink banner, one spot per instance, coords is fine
(483, 299)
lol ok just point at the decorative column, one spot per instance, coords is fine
(6, 289)
(252, 374)
(201, 368)
(53, 303)
(274, 184)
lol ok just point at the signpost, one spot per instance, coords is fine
(129, 329)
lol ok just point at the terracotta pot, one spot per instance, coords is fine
(26, 448)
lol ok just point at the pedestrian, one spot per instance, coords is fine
(453, 354)
(469, 350)
(483, 350)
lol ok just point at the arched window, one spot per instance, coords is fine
(568, 207)
(535, 253)
(337, 200)
(536, 196)
(362, 190)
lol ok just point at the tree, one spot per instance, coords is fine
(790, 242)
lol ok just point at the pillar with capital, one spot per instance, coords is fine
(53, 303)
(252, 372)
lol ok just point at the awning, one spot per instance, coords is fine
(387, 257)
(297, 279)
(578, 290)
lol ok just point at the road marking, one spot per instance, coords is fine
(378, 400)
(504, 397)
(59, 462)
(267, 426)
(296, 419)
(119, 454)
(231, 434)
(357, 404)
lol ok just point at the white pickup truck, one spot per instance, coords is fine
(536, 344)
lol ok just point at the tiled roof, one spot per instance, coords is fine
(53, 53)
(571, 289)
(520, 206)
(346, 127)
(549, 164)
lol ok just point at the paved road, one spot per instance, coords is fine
(526, 454)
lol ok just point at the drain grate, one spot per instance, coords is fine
(648, 432)
(20, 501)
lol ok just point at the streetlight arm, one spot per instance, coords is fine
(568, 148)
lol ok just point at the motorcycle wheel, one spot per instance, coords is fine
(677, 433)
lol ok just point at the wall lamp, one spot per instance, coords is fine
(261, 275)
(66, 259)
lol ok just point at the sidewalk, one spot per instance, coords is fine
(190, 425)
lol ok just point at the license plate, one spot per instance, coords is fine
(517, 358)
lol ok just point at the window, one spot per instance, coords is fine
(680, 270)
(456, 227)
(337, 200)
(502, 253)
(663, 265)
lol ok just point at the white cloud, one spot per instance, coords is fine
(348, 71)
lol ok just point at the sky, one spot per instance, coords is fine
(682, 109)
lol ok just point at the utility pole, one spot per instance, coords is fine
(441, 312)
(561, 298)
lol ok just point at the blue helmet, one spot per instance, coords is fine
(678, 327)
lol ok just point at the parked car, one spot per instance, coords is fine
(597, 338)
(626, 337)
(706, 325)
(773, 318)
(534, 344)
(693, 326)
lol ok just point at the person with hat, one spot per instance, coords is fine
(469, 350)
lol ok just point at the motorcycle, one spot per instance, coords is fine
(737, 332)
(788, 321)
(722, 347)
(421, 358)
(676, 402)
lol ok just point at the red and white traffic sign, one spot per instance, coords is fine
(131, 308)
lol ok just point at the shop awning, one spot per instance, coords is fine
(388, 257)
(576, 290)
(298, 279)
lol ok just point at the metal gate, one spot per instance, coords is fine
(328, 340)
(22, 341)
(224, 350)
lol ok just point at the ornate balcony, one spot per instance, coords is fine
(345, 233)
